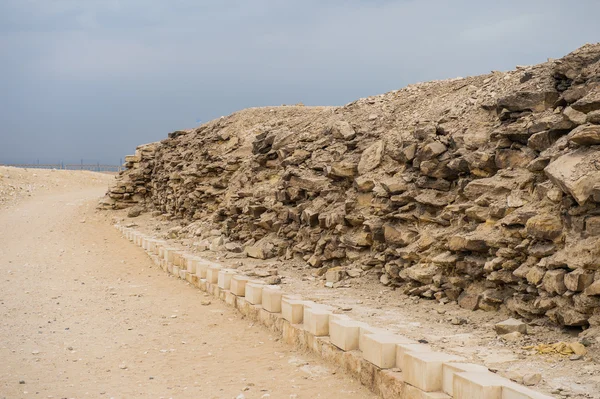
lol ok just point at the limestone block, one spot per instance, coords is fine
(516, 391)
(410, 392)
(175, 270)
(450, 369)
(160, 244)
(345, 332)
(292, 309)
(254, 292)
(271, 298)
(189, 263)
(316, 319)
(364, 330)
(424, 369)
(202, 267)
(168, 252)
(380, 348)
(224, 278)
(182, 274)
(212, 274)
(403, 349)
(238, 285)
(230, 298)
(178, 259)
(150, 245)
(477, 385)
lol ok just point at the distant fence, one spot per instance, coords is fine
(91, 167)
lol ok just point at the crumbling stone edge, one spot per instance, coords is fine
(391, 365)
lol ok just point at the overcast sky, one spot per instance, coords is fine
(93, 79)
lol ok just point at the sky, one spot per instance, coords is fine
(93, 79)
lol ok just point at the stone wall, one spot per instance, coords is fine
(482, 190)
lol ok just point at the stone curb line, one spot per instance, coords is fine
(391, 365)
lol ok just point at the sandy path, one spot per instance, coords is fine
(86, 314)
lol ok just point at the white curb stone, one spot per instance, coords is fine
(238, 285)
(516, 391)
(477, 385)
(316, 319)
(292, 309)
(254, 292)
(344, 333)
(380, 349)
(450, 369)
(212, 274)
(424, 369)
(403, 349)
(370, 330)
(224, 278)
(271, 298)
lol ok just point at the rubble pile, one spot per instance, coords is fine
(482, 190)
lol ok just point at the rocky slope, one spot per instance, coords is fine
(483, 190)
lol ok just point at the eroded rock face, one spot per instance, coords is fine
(482, 190)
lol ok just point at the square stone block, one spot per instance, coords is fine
(230, 298)
(424, 369)
(202, 268)
(292, 309)
(345, 332)
(149, 245)
(478, 385)
(271, 298)
(450, 369)
(402, 349)
(238, 284)
(364, 330)
(380, 349)
(187, 262)
(316, 320)
(516, 391)
(168, 252)
(254, 293)
(175, 270)
(160, 244)
(212, 274)
(178, 259)
(410, 392)
(183, 274)
(224, 278)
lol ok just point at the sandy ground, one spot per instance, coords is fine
(87, 314)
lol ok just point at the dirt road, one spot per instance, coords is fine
(86, 314)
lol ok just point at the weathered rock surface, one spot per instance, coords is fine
(483, 190)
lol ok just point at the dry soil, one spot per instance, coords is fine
(87, 314)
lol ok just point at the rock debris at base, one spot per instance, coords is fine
(482, 190)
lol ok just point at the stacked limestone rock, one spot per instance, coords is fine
(130, 188)
(483, 190)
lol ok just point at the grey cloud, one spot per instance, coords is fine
(95, 78)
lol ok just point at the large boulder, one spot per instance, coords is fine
(371, 157)
(585, 135)
(528, 101)
(589, 103)
(576, 173)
